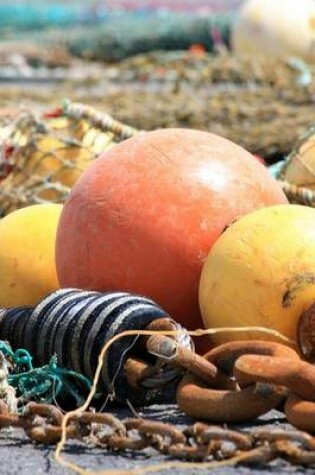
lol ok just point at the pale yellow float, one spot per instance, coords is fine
(261, 272)
(300, 167)
(275, 28)
(27, 254)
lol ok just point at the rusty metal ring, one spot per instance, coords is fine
(162, 431)
(296, 375)
(135, 441)
(204, 441)
(12, 420)
(241, 441)
(95, 423)
(51, 434)
(225, 355)
(128, 443)
(219, 405)
(226, 406)
(304, 440)
(52, 413)
(301, 414)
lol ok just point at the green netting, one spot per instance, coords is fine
(44, 384)
(173, 32)
(126, 35)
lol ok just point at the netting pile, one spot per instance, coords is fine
(21, 382)
(42, 156)
(126, 37)
(36, 15)
(119, 35)
(262, 105)
(203, 69)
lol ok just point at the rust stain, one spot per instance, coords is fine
(295, 285)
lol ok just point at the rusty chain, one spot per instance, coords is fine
(199, 442)
(249, 379)
(235, 378)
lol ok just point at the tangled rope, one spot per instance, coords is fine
(42, 384)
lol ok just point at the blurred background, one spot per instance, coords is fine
(242, 69)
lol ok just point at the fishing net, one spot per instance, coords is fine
(262, 105)
(197, 69)
(259, 104)
(33, 15)
(122, 35)
(44, 384)
(127, 36)
(42, 156)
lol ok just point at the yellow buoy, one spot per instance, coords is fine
(300, 166)
(275, 28)
(261, 272)
(27, 254)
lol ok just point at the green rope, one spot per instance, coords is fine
(45, 383)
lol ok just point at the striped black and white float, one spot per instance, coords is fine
(75, 324)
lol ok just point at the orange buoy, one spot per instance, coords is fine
(143, 217)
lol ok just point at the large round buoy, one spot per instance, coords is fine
(261, 272)
(275, 28)
(27, 254)
(143, 217)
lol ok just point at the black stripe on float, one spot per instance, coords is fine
(45, 319)
(30, 334)
(56, 318)
(2, 317)
(20, 330)
(62, 333)
(14, 317)
(9, 315)
(96, 315)
(17, 320)
(61, 327)
(111, 300)
(135, 318)
(103, 324)
(66, 340)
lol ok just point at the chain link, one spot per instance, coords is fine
(249, 362)
(264, 374)
(199, 442)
